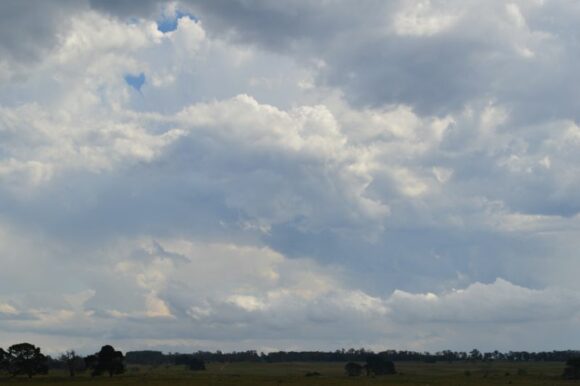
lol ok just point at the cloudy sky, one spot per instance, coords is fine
(290, 174)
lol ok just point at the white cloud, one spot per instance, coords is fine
(268, 176)
(421, 19)
(220, 291)
(6, 308)
(500, 301)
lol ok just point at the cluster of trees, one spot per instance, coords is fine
(23, 359)
(351, 355)
(572, 369)
(107, 361)
(191, 361)
(376, 364)
(153, 358)
(27, 359)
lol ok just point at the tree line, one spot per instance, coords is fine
(25, 359)
(350, 355)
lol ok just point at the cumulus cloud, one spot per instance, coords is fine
(436, 56)
(215, 293)
(30, 30)
(265, 175)
(498, 301)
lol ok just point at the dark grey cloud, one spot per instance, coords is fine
(436, 56)
(289, 24)
(127, 8)
(30, 29)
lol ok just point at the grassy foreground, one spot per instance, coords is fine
(257, 374)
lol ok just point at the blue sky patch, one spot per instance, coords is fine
(135, 81)
(168, 24)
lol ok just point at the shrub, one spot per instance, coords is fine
(353, 369)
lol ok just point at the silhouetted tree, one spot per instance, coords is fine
(4, 360)
(26, 359)
(379, 365)
(91, 361)
(106, 361)
(146, 357)
(353, 369)
(572, 370)
(72, 362)
(475, 355)
(196, 364)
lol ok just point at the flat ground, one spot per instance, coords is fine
(257, 374)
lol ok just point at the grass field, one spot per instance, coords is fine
(257, 374)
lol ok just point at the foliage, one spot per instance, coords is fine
(353, 369)
(379, 365)
(191, 361)
(25, 359)
(108, 360)
(4, 360)
(72, 362)
(572, 369)
(350, 355)
(196, 364)
(147, 357)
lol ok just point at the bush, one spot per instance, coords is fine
(379, 365)
(353, 369)
(572, 370)
(196, 364)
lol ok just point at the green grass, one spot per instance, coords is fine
(258, 374)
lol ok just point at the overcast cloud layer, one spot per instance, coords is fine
(290, 174)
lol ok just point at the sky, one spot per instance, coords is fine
(296, 175)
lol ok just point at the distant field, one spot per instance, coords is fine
(257, 374)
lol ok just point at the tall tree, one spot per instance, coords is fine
(26, 359)
(108, 360)
(72, 361)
